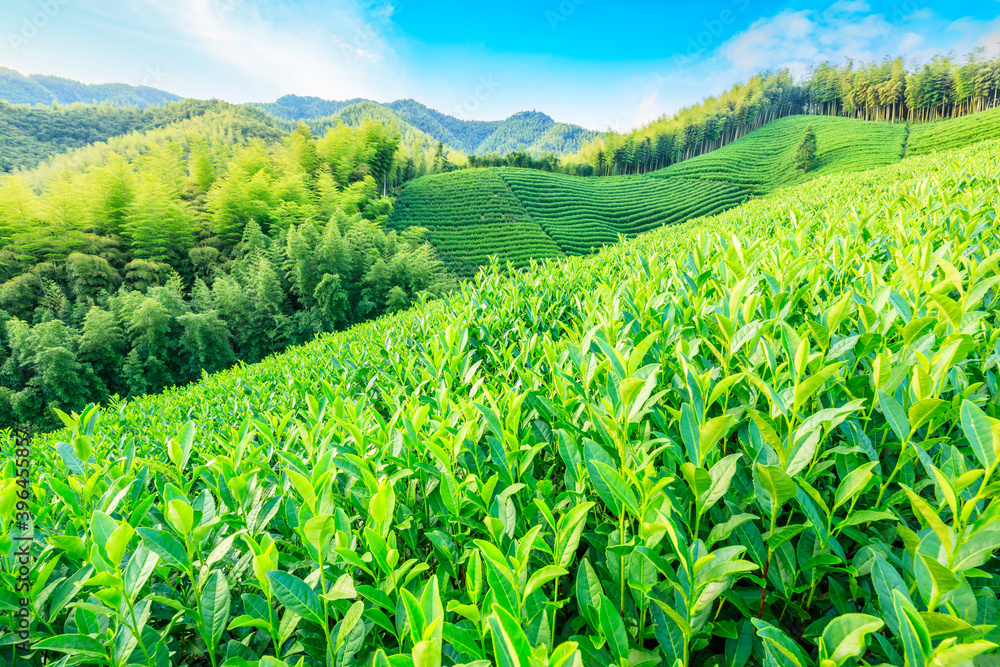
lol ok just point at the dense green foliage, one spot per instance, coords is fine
(766, 159)
(29, 135)
(764, 438)
(418, 150)
(171, 253)
(16, 88)
(521, 159)
(886, 91)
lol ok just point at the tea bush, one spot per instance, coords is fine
(763, 438)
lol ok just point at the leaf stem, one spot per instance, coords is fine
(763, 586)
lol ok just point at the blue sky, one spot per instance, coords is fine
(598, 63)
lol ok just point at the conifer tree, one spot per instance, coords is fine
(806, 155)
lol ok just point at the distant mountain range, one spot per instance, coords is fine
(532, 131)
(17, 88)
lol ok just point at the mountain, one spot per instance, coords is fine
(296, 108)
(31, 135)
(17, 88)
(532, 131)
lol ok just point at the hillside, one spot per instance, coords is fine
(472, 215)
(581, 214)
(31, 135)
(932, 137)
(765, 159)
(17, 88)
(296, 108)
(46, 142)
(893, 90)
(642, 457)
(535, 132)
(415, 143)
(522, 214)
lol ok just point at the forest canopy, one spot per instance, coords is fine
(163, 256)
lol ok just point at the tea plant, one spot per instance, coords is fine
(472, 215)
(764, 438)
(582, 215)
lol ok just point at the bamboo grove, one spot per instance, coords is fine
(182, 251)
(888, 91)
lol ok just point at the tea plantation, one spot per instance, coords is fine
(582, 215)
(473, 215)
(766, 438)
(931, 137)
(518, 215)
(764, 160)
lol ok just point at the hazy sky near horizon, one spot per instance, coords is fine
(598, 63)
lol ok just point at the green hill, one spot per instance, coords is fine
(30, 135)
(955, 133)
(581, 214)
(414, 141)
(296, 108)
(765, 159)
(471, 215)
(523, 214)
(711, 441)
(17, 88)
(46, 142)
(466, 135)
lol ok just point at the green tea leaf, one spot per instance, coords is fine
(978, 430)
(509, 641)
(296, 595)
(895, 415)
(844, 637)
(74, 645)
(166, 547)
(779, 487)
(214, 605)
(614, 631)
(542, 577)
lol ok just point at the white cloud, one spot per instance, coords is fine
(920, 15)
(330, 50)
(786, 35)
(991, 43)
(910, 41)
(843, 7)
(648, 110)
